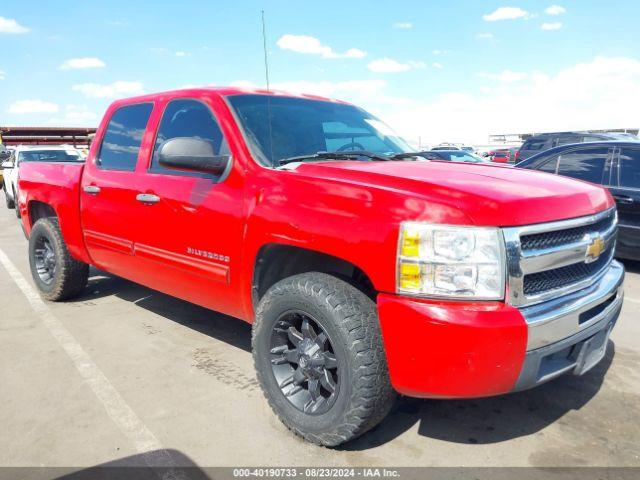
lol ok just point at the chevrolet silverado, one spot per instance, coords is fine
(364, 269)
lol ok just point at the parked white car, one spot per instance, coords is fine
(36, 153)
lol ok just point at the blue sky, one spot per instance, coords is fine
(444, 71)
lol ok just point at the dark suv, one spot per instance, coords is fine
(613, 164)
(545, 141)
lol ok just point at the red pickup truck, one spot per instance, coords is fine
(364, 270)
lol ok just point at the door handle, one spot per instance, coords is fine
(623, 199)
(91, 189)
(147, 198)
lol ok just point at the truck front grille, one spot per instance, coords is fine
(541, 282)
(563, 237)
(552, 259)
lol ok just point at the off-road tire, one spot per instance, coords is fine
(350, 318)
(10, 203)
(16, 207)
(70, 276)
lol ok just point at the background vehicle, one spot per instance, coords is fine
(22, 154)
(545, 141)
(453, 156)
(500, 155)
(614, 164)
(361, 276)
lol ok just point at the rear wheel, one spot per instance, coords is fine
(319, 358)
(55, 272)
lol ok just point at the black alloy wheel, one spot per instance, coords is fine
(45, 260)
(303, 363)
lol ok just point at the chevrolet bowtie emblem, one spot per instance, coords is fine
(594, 249)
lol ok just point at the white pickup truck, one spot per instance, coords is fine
(37, 153)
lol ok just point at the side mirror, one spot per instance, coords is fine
(7, 164)
(188, 153)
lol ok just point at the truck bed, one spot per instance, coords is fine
(56, 184)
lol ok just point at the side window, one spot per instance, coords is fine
(550, 165)
(567, 139)
(187, 118)
(121, 142)
(585, 164)
(629, 168)
(533, 145)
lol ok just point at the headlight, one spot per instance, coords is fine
(451, 262)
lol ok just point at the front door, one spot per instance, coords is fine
(190, 230)
(108, 191)
(626, 191)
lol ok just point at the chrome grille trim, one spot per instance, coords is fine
(521, 263)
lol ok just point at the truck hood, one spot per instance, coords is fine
(485, 194)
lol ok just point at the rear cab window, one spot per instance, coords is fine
(123, 136)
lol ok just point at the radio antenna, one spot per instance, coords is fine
(264, 47)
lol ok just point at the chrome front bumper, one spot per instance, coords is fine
(562, 317)
(570, 333)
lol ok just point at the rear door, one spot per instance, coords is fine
(626, 191)
(190, 232)
(109, 187)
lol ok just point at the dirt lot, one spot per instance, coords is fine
(124, 370)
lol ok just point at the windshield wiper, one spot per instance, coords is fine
(346, 155)
(400, 156)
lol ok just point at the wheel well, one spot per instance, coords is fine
(276, 262)
(38, 210)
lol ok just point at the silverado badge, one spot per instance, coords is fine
(594, 249)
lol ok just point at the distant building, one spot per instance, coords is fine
(78, 137)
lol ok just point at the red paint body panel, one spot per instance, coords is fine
(452, 349)
(57, 185)
(201, 241)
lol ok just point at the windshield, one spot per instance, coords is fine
(278, 128)
(50, 156)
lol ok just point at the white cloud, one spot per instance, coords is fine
(243, 84)
(506, 76)
(75, 115)
(312, 46)
(506, 13)
(2, 75)
(403, 25)
(441, 52)
(181, 53)
(555, 10)
(484, 35)
(551, 26)
(25, 107)
(389, 65)
(437, 65)
(9, 25)
(81, 63)
(116, 89)
(602, 93)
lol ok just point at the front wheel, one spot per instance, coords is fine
(319, 358)
(9, 202)
(55, 272)
(15, 204)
